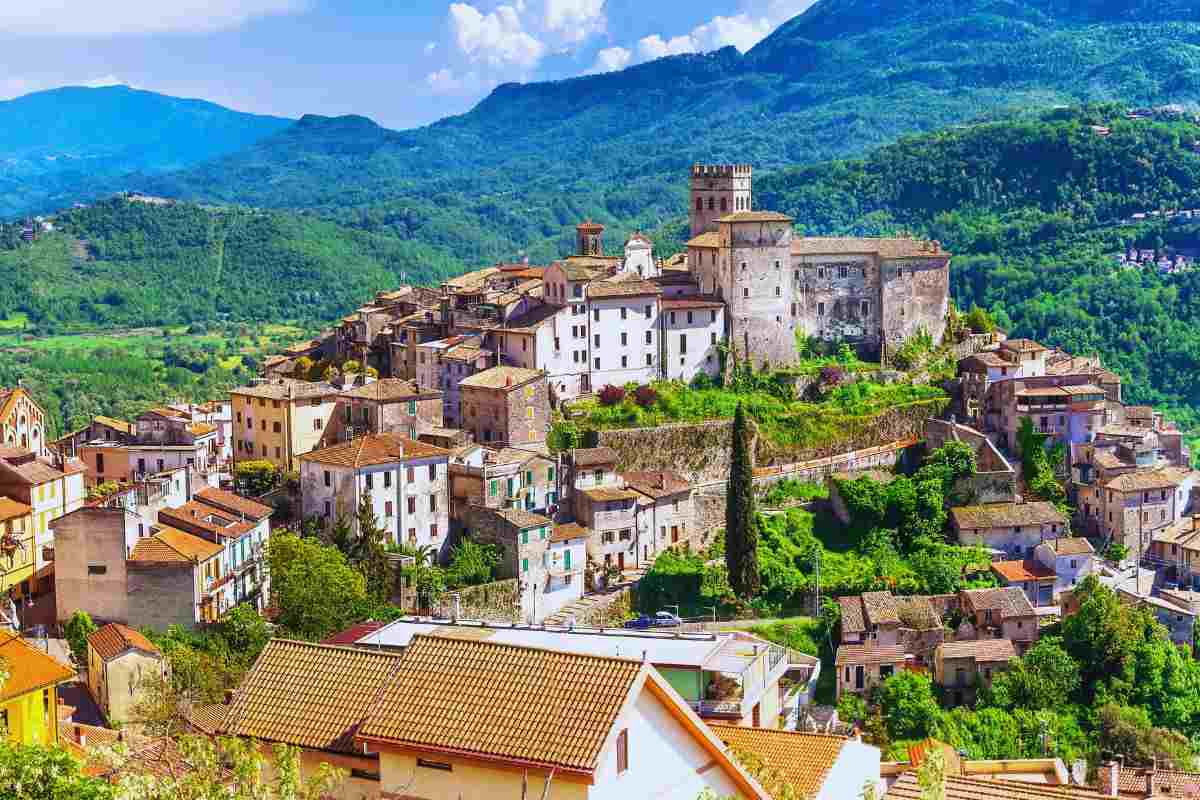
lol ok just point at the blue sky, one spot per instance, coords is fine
(400, 62)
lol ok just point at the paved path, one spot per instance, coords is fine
(591, 604)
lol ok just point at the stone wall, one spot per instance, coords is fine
(161, 596)
(700, 451)
(498, 601)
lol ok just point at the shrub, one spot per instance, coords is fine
(611, 395)
(832, 376)
(645, 396)
(256, 477)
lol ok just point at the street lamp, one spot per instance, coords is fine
(714, 610)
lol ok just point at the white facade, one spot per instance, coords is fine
(563, 563)
(624, 340)
(639, 257)
(692, 333)
(410, 498)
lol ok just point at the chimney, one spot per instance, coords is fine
(1150, 775)
(508, 381)
(81, 736)
(1109, 776)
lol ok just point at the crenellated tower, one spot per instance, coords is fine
(717, 190)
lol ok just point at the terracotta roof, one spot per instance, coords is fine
(568, 531)
(515, 703)
(201, 428)
(605, 493)
(389, 389)
(1006, 515)
(593, 456)
(755, 216)
(34, 472)
(234, 503)
(208, 718)
(310, 695)
(917, 613)
(112, 640)
(373, 449)
(801, 759)
(355, 632)
(286, 388)
(706, 239)
(1071, 546)
(1010, 601)
(985, 359)
(629, 288)
(589, 226)
(518, 517)
(884, 248)
(869, 654)
(501, 378)
(1167, 782)
(11, 509)
(657, 484)
(979, 649)
(29, 668)
(531, 320)
(853, 620)
(1027, 570)
(170, 545)
(880, 607)
(1022, 346)
(116, 424)
(907, 788)
(195, 514)
(684, 303)
(1143, 480)
(580, 272)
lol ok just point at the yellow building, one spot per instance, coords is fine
(122, 666)
(16, 546)
(49, 491)
(29, 698)
(280, 420)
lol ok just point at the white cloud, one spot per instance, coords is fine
(444, 81)
(430, 47)
(575, 20)
(611, 59)
(743, 30)
(16, 87)
(655, 46)
(497, 39)
(122, 17)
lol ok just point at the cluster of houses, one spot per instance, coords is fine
(1164, 262)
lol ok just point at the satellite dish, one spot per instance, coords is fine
(1079, 771)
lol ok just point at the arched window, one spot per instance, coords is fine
(712, 203)
(723, 205)
(699, 203)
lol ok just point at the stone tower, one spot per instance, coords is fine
(589, 239)
(717, 190)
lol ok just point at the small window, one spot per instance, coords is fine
(622, 751)
(97, 569)
(745, 291)
(596, 314)
(438, 765)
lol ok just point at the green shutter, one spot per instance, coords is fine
(567, 558)
(412, 407)
(524, 565)
(543, 532)
(550, 474)
(524, 537)
(492, 488)
(529, 478)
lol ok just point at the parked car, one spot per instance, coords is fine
(663, 619)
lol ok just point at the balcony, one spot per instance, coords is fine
(739, 675)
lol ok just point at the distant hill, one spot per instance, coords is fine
(54, 141)
(847, 75)
(122, 263)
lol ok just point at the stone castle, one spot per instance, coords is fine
(872, 293)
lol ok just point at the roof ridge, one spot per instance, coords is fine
(510, 645)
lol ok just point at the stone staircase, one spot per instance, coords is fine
(591, 607)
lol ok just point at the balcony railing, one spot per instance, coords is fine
(717, 708)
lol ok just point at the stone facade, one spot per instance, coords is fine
(160, 595)
(717, 190)
(506, 406)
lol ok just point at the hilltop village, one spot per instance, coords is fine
(447, 586)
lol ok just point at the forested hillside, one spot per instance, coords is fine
(845, 76)
(122, 263)
(55, 142)
(1033, 210)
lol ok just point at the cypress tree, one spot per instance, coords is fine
(741, 527)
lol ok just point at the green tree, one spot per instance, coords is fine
(77, 630)
(741, 524)
(370, 552)
(256, 477)
(979, 321)
(244, 632)
(472, 563)
(30, 772)
(1128, 732)
(316, 590)
(1046, 677)
(908, 705)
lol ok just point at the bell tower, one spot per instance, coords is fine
(718, 190)
(589, 239)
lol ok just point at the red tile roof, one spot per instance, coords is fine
(112, 640)
(234, 503)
